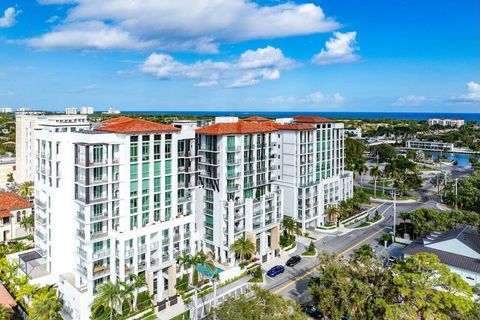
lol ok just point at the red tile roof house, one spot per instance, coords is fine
(13, 209)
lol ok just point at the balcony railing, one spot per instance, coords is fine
(97, 235)
(154, 245)
(101, 254)
(142, 248)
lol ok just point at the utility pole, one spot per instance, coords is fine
(394, 213)
(456, 192)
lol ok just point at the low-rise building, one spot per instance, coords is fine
(13, 209)
(459, 249)
(457, 123)
(429, 145)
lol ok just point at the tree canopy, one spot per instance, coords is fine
(264, 306)
(419, 288)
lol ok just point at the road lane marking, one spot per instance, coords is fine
(296, 279)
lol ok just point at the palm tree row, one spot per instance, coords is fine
(190, 263)
(113, 295)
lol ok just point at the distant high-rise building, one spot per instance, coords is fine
(446, 122)
(6, 110)
(86, 110)
(71, 110)
(27, 123)
(112, 111)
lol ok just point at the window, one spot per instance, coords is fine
(145, 170)
(156, 184)
(168, 149)
(133, 222)
(168, 182)
(231, 143)
(145, 151)
(168, 166)
(168, 198)
(145, 203)
(156, 200)
(156, 150)
(145, 186)
(133, 152)
(134, 171)
(156, 168)
(168, 214)
(133, 205)
(133, 188)
(97, 154)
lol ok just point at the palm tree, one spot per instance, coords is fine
(45, 306)
(28, 223)
(108, 294)
(361, 168)
(185, 260)
(332, 213)
(375, 173)
(10, 178)
(290, 226)
(138, 282)
(205, 261)
(25, 189)
(243, 247)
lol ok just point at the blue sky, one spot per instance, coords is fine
(376, 55)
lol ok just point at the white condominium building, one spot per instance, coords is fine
(110, 202)
(238, 165)
(26, 125)
(71, 110)
(446, 122)
(86, 110)
(311, 162)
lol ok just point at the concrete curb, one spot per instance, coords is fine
(391, 201)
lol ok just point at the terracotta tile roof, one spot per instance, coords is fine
(311, 119)
(12, 201)
(6, 299)
(132, 125)
(256, 118)
(292, 127)
(240, 127)
(5, 213)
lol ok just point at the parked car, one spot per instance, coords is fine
(293, 261)
(312, 311)
(275, 271)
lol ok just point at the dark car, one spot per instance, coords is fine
(312, 312)
(293, 261)
(275, 271)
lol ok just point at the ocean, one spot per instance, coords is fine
(333, 115)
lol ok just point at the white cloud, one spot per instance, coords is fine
(314, 99)
(191, 25)
(410, 101)
(339, 49)
(8, 18)
(251, 68)
(472, 96)
(52, 19)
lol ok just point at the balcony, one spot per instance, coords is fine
(260, 170)
(257, 226)
(154, 245)
(165, 257)
(176, 237)
(209, 162)
(81, 234)
(207, 199)
(234, 148)
(103, 215)
(142, 248)
(81, 216)
(207, 148)
(233, 161)
(186, 234)
(82, 253)
(98, 235)
(165, 241)
(82, 270)
(129, 252)
(239, 229)
(99, 271)
(248, 172)
(184, 199)
(101, 254)
(248, 185)
(208, 225)
(232, 188)
(154, 262)
(40, 204)
(209, 237)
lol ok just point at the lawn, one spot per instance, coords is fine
(387, 195)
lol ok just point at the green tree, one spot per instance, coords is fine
(137, 283)
(384, 151)
(185, 260)
(427, 289)
(243, 248)
(375, 173)
(361, 168)
(28, 223)
(290, 226)
(332, 213)
(10, 178)
(265, 306)
(25, 189)
(205, 260)
(353, 152)
(364, 252)
(5, 313)
(109, 294)
(45, 306)
(404, 173)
